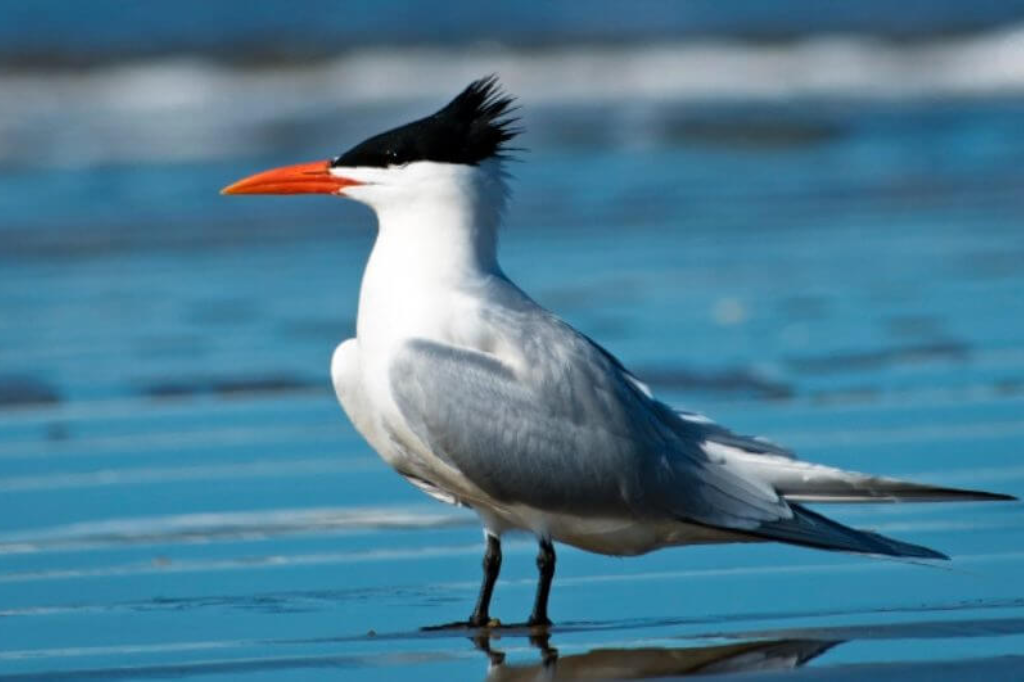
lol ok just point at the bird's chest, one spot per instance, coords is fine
(414, 287)
(385, 327)
(366, 399)
(395, 309)
(397, 306)
(389, 317)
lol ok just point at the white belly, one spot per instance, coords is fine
(613, 536)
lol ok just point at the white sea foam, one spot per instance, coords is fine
(224, 526)
(131, 476)
(194, 109)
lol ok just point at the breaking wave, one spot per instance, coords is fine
(200, 109)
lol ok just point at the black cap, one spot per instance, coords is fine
(473, 127)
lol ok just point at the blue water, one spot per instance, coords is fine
(48, 30)
(180, 495)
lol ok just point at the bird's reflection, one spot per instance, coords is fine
(640, 663)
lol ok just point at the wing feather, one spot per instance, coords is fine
(546, 418)
(567, 432)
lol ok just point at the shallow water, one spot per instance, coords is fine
(180, 495)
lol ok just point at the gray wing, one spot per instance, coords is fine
(568, 432)
(701, 427)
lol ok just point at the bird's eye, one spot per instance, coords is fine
(394, 157)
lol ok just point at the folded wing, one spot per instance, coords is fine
(566, 434)
(563, 427)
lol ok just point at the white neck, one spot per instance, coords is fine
(438, 234)
(442, 236)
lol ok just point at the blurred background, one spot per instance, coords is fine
(803, 219)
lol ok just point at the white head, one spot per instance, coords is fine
(448, 162)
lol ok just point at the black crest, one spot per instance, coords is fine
(473, 127)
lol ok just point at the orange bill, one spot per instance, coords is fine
(302, 178)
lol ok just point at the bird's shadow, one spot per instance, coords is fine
(642, 662)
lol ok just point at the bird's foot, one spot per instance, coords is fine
(539, 621)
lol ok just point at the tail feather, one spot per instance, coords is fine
(800, 481)
(879, 489)
(811, 529)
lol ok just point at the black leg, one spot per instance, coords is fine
(480, 616)
(546, 568)
(492, 566)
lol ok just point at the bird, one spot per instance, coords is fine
(482, 398)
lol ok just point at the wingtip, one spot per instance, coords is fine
(812, 529)
(898, 548)
(932, 554)
(983, 496)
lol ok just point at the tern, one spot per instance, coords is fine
(482, 398)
